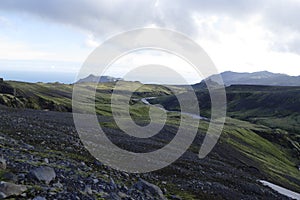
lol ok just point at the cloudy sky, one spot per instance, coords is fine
(239, 35)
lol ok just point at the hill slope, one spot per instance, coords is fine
(277, 108)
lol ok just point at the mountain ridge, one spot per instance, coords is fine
(254, 78)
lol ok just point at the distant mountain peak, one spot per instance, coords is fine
(100, 79)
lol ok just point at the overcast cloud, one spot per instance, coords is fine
(103, 18)
(250, 31)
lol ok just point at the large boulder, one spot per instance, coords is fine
(46, 174)
(10, 189)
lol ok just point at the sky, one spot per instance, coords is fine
(41, 39)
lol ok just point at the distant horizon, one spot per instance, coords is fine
(70, 77)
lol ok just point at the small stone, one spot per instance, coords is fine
(2, 163)
(125, 174)
(52, 193)
(39, 198)
(21, 176)
(23, 195)
(95, 181)
(114, 196)
(113, 184)
(58, 185)
(28, 147)
(88, 190)
(46, 160)
(122, 195)
(164, 190)
(106, 176)
(98, 163)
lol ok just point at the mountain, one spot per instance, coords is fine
(94, 79)
(258, 78)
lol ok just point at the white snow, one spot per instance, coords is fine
(281, 190)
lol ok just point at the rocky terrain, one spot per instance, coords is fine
(43, 158)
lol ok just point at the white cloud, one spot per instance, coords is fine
(246, 47)
(91, 42)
